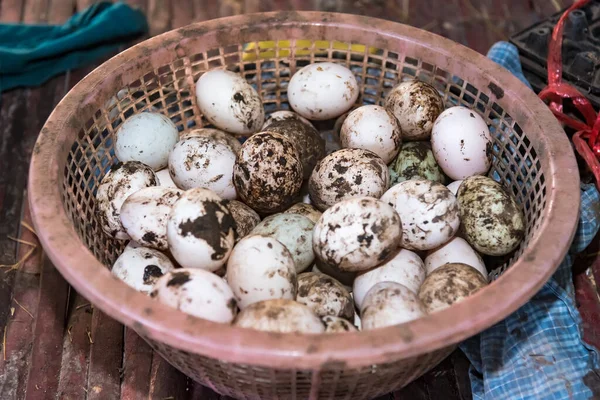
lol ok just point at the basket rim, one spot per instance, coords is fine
(301, 351)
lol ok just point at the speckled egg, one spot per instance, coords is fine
(388, 304)
(283, 115)
(416, 161)
(121, 181)
(308, 142)
(344, 277)
(461, 143)
(146, 137)
(448, 285)
(428, 210)
(324, 295)
(405, 268)
(164, 178)
(197, 292)
(268, 172)
(337, 325)
(294, 232)
(305, 210)
(372, 128)
(322, 90)
(140, 267)
(200, 230)
(346, 174)
(145, 213)
(229, 102)
(261, 268)
(217, 135)
(280, 315)
(245, 218)
(457, 250)
(198, 161)
(492, 221)
(416, 105)
(357, 234)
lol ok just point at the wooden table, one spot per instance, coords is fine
(56, 345)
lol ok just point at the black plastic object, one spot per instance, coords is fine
(580, 51)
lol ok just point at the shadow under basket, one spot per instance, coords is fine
(532, 158)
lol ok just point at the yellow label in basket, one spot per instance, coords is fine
(282, 48)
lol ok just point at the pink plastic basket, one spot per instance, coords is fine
(532, 158)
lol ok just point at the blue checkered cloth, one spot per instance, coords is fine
(538, 352)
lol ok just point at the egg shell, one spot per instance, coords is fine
(428, 210)
(357, 234)
(121, 181)
(200, 230)
(346, 278)
(284, 115)
(373, 128)
(140, 267)
(308, 142)
(305, 210)
(197, 292)
(416, 105)
(453, 187)
(416, 161)
(229, 102)
(461, 143)
(203, 162)
(280, 315)
(261, 268)
(492, 221)
(449, 285)
(337, 325)
(457, 250)
(294, 232)
(217, 135)
(245, 218)
(405, 268)
(145, 213)
(347, 174)
(146, 137)
(268, 172)
(390, 303)
(164, 178)
(357, 321)
(324, 295)
(322, 91)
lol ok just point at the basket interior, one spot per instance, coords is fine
(169, 89)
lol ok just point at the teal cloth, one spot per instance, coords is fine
(32, 54)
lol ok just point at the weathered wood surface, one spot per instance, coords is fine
(56, 344)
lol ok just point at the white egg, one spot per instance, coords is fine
(147, 138)
(357, 234)
(294, 232)
(280, 315)
(203, 162)
(229, 102)
(140, 267)
(197, 292)
(145, 213)
(357, 321)
(337, 325)
(461, 143)
(457, 250)
(347, 174)
(121, 181)
(453, 187)
(164, 178)
(416, 105)
(245, 218)
(390, 303)
(322, 90)
(324, 295)
(428, 210)
(217, 135)
(405, 268)
(261, 268)
(372, 128)
(200, 230)
(305, 210)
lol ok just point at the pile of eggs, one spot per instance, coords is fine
(278, 234)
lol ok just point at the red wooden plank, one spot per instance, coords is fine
(182, 13)
(83, 4)
(159, 16)
(60, 10)
(137, 366)
(230, 7)
(140, 4)
(35, 11)
(589, 308)
(106, 339)
(166, 382)
(11, 10)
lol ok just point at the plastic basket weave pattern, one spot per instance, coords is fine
(532, 158)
